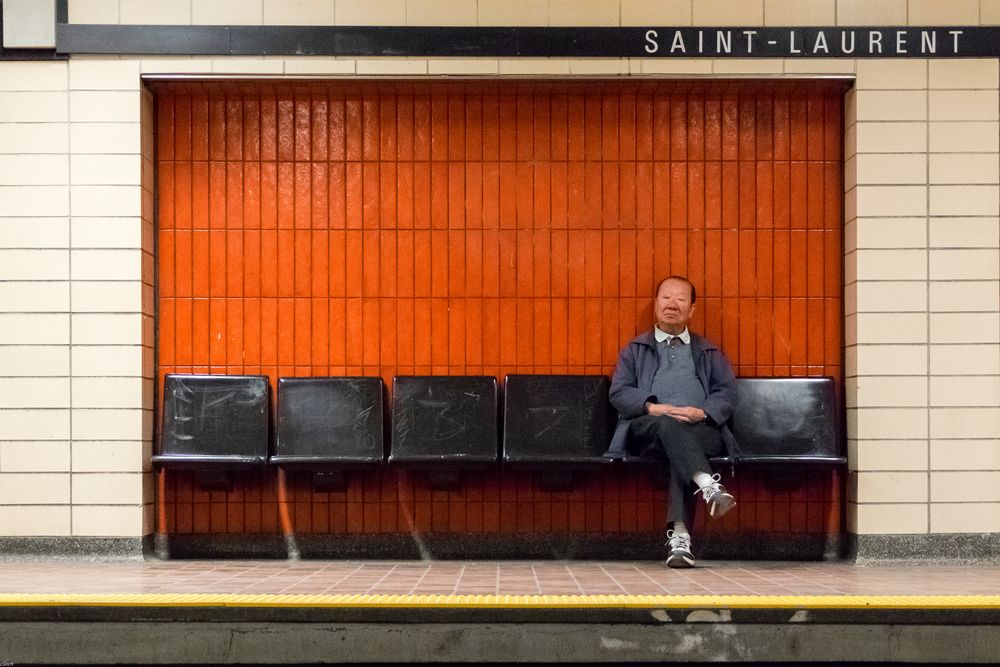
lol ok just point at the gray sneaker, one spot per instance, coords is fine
(718, 500)
(680, 550)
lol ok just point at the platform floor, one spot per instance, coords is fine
(307, 612)
(488, 578)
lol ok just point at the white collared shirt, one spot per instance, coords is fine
(661, 335)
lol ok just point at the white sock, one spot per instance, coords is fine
(680, 528)
(702, 479)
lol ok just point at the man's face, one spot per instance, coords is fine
(673, 307)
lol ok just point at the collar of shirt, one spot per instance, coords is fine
(661, 335)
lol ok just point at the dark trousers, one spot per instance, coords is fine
(686, 447)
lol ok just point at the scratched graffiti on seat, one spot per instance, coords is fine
(330, 417)
(550, 416)
(213, 415)
(447, 416)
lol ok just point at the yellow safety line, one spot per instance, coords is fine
(503, 601)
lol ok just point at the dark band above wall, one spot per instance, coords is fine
(665, 42)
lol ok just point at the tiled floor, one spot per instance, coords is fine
(492, 578)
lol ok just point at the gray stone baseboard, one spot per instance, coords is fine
(946, 549)
(75, 548)
(938, 548)
(494, 547)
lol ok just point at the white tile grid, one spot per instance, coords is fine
(103, 274)
(960, 360)
(987, 123)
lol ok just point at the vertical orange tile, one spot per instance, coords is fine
(456, 126)
(440, 333)
(491, 195)
(799, 335)
(747, 127)
(695, 270)
(166, 138)
(815, 350)
(167, 332)
(286, 331)
(456, 194)
(505, 117)
(816, 200)
(319, 130)
(217, 127)
(798, 128)
(747, 263)
(815, 107)
(730, 195)
(269, 332)
(575, 196)
(748, 195)
(491, 127)
(370, 195)
(833, 127)
(591, 266)
(694, 190)
(235, 354)
(201, 328)
(781, 123)
(474, 332)
(182, 128)
(471, 203)
(199, 127)
(628, 195)
(421, 127)
(504, 317)
(593, 191)
(456, 318)
(439, 195)
(678, 128)
(492, 324)
(696, 127)
(678, 254)
(611, 188)
(285, 126)
(268, 127)
(166, 264)
(439, 128)
(473, 129)
(524, 327)
(251, 335)
(303, 331)
(661, 118)
(643, 127)
(439, 264)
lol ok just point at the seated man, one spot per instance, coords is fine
(674, 391)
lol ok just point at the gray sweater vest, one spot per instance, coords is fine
(675, 381)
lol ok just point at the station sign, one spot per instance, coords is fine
(535, 42)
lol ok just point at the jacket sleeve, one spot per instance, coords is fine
(625, 395)
(721, 401)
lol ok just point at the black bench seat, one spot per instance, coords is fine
(444, 424)
(779, 423)
(213, 424)
(783, 424)
(327, 426)
(329, 422)
(556, 424)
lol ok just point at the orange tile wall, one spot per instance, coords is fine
(472, 228)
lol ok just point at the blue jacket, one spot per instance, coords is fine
(632, 382)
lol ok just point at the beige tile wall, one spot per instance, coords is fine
(924, 293)
(75, 407)
(538, 12)
(922, 241)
